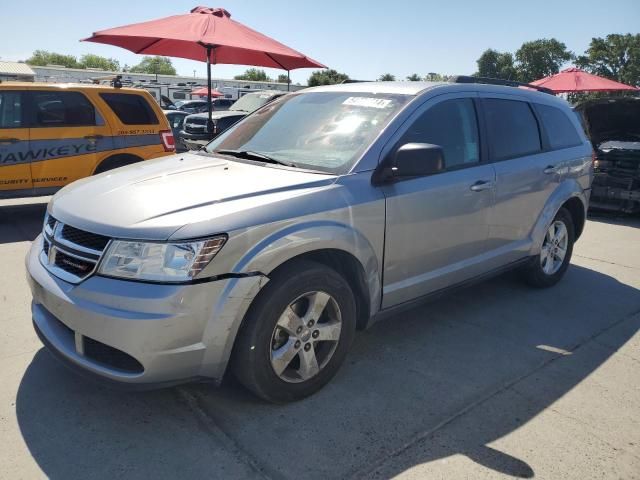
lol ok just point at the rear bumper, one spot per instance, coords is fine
(136, 334)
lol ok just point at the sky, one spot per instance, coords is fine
(361, 38)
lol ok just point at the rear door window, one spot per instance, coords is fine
(130, 108)
(512, 128)
(559, 129)
(452, 125)
(10, 109)
(62, 109)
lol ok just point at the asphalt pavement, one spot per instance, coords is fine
(494, 381)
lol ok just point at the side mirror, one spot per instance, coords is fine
(410, 160)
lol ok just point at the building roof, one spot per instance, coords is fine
(15, 68)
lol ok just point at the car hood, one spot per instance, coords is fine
(221, 114)
(152, 200)
(612, 119)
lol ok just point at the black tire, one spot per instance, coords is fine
(251, 362)
(534, 273)
(116, 162)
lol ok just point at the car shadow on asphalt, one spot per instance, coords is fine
(21, 223)
(438, 377)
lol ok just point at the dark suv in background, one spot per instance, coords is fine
(194, 134)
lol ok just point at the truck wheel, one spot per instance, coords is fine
(296, 334)
(547, 268)
(116, 162)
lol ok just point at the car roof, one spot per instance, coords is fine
(417, 88)
(405, 88)
(63, 86)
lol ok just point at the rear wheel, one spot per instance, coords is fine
(297, 333)
(550, 265)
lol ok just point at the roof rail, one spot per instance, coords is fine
(498, 81)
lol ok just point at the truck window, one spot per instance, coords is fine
(62, 109)
(130, 108)
(10, 109)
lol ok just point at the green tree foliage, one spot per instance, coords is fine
(254, 75)
(326, 77)
(159, 65)
(96, 61)
(42, 58)
(386, 77)
(436, 77)
(282, 78)
(494, 64)
(541, 58)
(414, 77)
(616, 57)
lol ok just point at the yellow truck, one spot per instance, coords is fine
(53, 134)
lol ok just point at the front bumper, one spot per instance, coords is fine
(195, 141)
(138, 333)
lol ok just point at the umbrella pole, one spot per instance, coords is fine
(209, 106)
(288, 81)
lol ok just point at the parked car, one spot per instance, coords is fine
(195, 135)
(176, 120)
(315, 216)
(193, 106)
(222, 104)
(613, 124)
(53, 134)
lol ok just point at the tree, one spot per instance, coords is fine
(616, 57)
(283, 78)
(436, 77)
(414, 77)
(541, 58)
(254, 75)
(387, 77)
(42, 58)
(157, 65)
(96, 61)
(326, 77)
(494, 64)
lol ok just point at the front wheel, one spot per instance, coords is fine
(546, 269)
(296, 334)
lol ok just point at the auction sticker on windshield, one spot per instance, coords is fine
(368, 102)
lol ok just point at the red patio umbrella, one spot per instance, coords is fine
(576, 80)
(201, 91)
(205, 34)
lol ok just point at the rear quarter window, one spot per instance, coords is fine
(512, 127)
(559, 129)
(130, 108)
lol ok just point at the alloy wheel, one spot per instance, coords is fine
(305, 337)
(554, 248)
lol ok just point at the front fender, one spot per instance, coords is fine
(295, 240)
(568, 189)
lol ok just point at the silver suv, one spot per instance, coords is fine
(311, 218)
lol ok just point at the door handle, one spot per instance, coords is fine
(93, 137)
(9, 140)
(549, 170)
(481, 185)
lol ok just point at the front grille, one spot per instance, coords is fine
(110, 357)
(195, 125)
(75, 266)
(70, 253)
(84, 239)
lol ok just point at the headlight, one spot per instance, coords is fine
(159, 262)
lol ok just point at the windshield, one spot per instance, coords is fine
(251, 102)
(326, 131)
